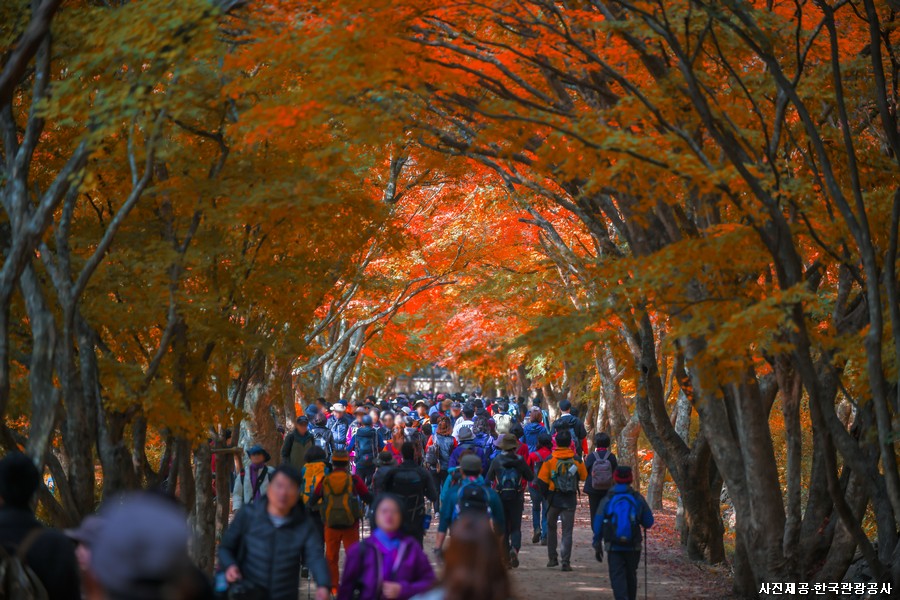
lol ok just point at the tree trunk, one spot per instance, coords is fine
(657, 481)
(203, 517)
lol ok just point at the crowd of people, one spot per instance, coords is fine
(372, 483)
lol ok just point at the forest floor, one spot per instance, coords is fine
(670, 574)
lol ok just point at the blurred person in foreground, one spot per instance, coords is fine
(474, 567)
(49, 554)
(388, 564)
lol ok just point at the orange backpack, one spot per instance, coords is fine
(342, 508)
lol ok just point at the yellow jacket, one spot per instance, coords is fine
(549, 466)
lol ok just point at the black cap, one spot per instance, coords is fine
(302, 420)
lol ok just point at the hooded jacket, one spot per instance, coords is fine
(339, 427)
(409, 567)
(559, 499)
(462, 447)
(295, 447)
(532, 431)
(270, 556)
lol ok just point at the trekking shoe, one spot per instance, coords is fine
(536, 538)
(566, 567)
(552, 563)
(543, 541)
(513, 559)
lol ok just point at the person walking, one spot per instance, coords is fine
(322, 435)
(364, 445)
(48, 553)
(341, 495)
(339, 424)
(533, 428)
(600, 465)
(466, 420)
(252, 482)
(383, 465)
(617, 525)
(559, 479)
(437, 455)
(297, 443)
(388, 564)
(473, 564)
(313, 473)
(467, 445)
(539, 503)
(268, 540)
(570, 423)
(412, 484)
(506, 473)
(471, 495)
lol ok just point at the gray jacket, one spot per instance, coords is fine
(270, 557)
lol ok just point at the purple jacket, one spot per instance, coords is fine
(406, 565)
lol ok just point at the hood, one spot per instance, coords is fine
(533, 427)
(563, 453)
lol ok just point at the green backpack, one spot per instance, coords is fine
(565, 476)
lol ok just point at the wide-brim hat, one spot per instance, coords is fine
(465, 433)
(508, 442)
(257, 449)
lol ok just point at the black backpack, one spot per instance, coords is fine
(509, 480)
(366, 442)
(409, 485)
(472, 498)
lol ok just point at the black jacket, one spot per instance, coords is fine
(270, 557)
(51, 557)
(507, 460)
(589, 461)
(574, 424)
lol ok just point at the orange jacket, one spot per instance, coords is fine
(549, 466)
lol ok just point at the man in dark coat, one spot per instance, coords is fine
(50, 554)
(296, 443)
(268, 541)
(413, 484)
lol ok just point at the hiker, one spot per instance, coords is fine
(533, 428)
(455, 413)
(364, 445)
(313, 473)
(440, 449)
(414, 436)
(466, 420)
(617, 523)
(388, 564)
(383, 464)
(421, 408)
(600, 465)
(502, 418)
(471, 495)
(473, 564)
(412, 484)
(398, 436)
(253, 481)
(341, 495)
(323, 436)
(570, 423)
(48, 553)
(156, 526)
(267, 542)
(297, 443)
(559, 479)
(339, 423)
(539, 504)
(506, 473)
(467, 445)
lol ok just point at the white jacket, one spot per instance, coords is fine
(243, 488)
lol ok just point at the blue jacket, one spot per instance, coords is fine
(532, 431)
(645, 517)
(454, 458)
(448, 504)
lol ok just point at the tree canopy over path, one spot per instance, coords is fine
(681, 215)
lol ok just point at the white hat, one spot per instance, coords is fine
(338, 407)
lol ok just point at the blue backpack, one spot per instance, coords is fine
(366, 442)
(622, 520)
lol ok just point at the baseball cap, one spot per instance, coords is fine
(338, 407)
(470, 464)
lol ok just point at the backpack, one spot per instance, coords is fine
(621, 520)
(472, 498)
(365, 453)
(17, 580)
(563, 424)
(601, 472)
(504, 423)
(564, 480)
(416, 440)
(313, 473)
(509, 481)
(342, 508)
(407, 484)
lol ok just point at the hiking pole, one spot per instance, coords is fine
(646, 555)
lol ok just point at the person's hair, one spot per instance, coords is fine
(290, 472)
(601, 440)
(480, 425)
(544, 441)
(399, 437)
(536, 416)
(478, 403)
(19, 480)
(444, 427)
(377, 502)
(563, 439)
(474, 568)
(322, 401)
(517, 430)
(469, 411)
(565, 405)
(408, 451)
(315, 453)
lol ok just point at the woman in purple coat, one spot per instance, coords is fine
(388, 564)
